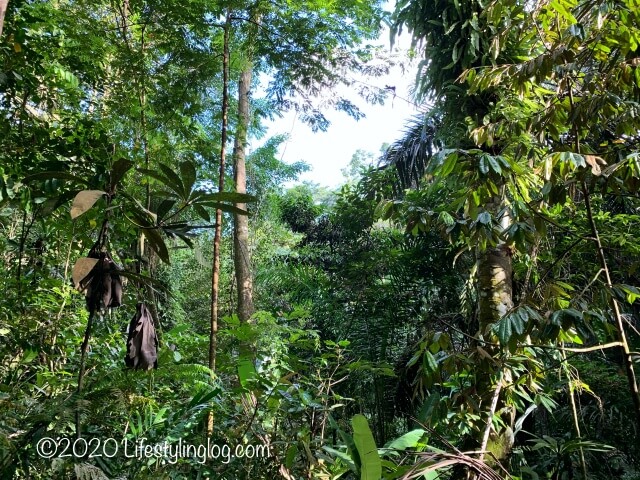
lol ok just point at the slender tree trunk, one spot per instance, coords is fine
(215, 274)
(242, 255)
(574, 409)
(82, 371)
(3, 10)
(622, 337)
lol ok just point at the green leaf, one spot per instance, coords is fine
(246, 370)
(118, 170)
(370, 465)
(429, 361)
(483, 166)
(446, 218)
(202, 212)
(174, 182)
(429, 405)
(232, 197)
(165, 207)
(57, 175)
(449, 164)
(157, 243)
(558, 6)
(225, 207)
(507, 326)
(290, 456)
(408, 440)
(342, 456)
(565, 318)
(169, 179)
(495, 166)
(188, 174)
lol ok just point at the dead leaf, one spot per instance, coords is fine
(594, 162)
(548, 167)
(84, 201)
(81, 269)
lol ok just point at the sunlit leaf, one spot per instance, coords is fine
(370, 465)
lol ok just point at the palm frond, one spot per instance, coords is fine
(435, 460)
(411, 154)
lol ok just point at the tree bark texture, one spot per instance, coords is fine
(242, 254)
(3, 10)
(494, 286)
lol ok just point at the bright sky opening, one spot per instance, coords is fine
(329, 152)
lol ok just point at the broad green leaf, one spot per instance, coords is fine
(495, 166)
(157, 175)
(202, 212)
(408, 440)
(118, 170)
(157, 243)
(232, 197)
(565, 318)
(446, 218)
(449, 164)
(246, 370)
(370, 465)
(188, 174)
(429, 361)
(174, 182)
(165, 207)
(225, 207)
(290, 456)
(482, 165)
(507, 326)
(342, 456)
(559, 6)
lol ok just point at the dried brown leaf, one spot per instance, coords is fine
(84, 201)
(81, 269)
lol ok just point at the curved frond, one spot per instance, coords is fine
(410, 155)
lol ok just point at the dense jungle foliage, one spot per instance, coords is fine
(465, 306)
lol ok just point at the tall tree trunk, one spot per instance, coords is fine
(242, 255)
(3, 10)
(494, 286)
(215, 273)
(495, 300)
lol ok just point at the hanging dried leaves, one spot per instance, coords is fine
(102, 285)
(142, 342)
